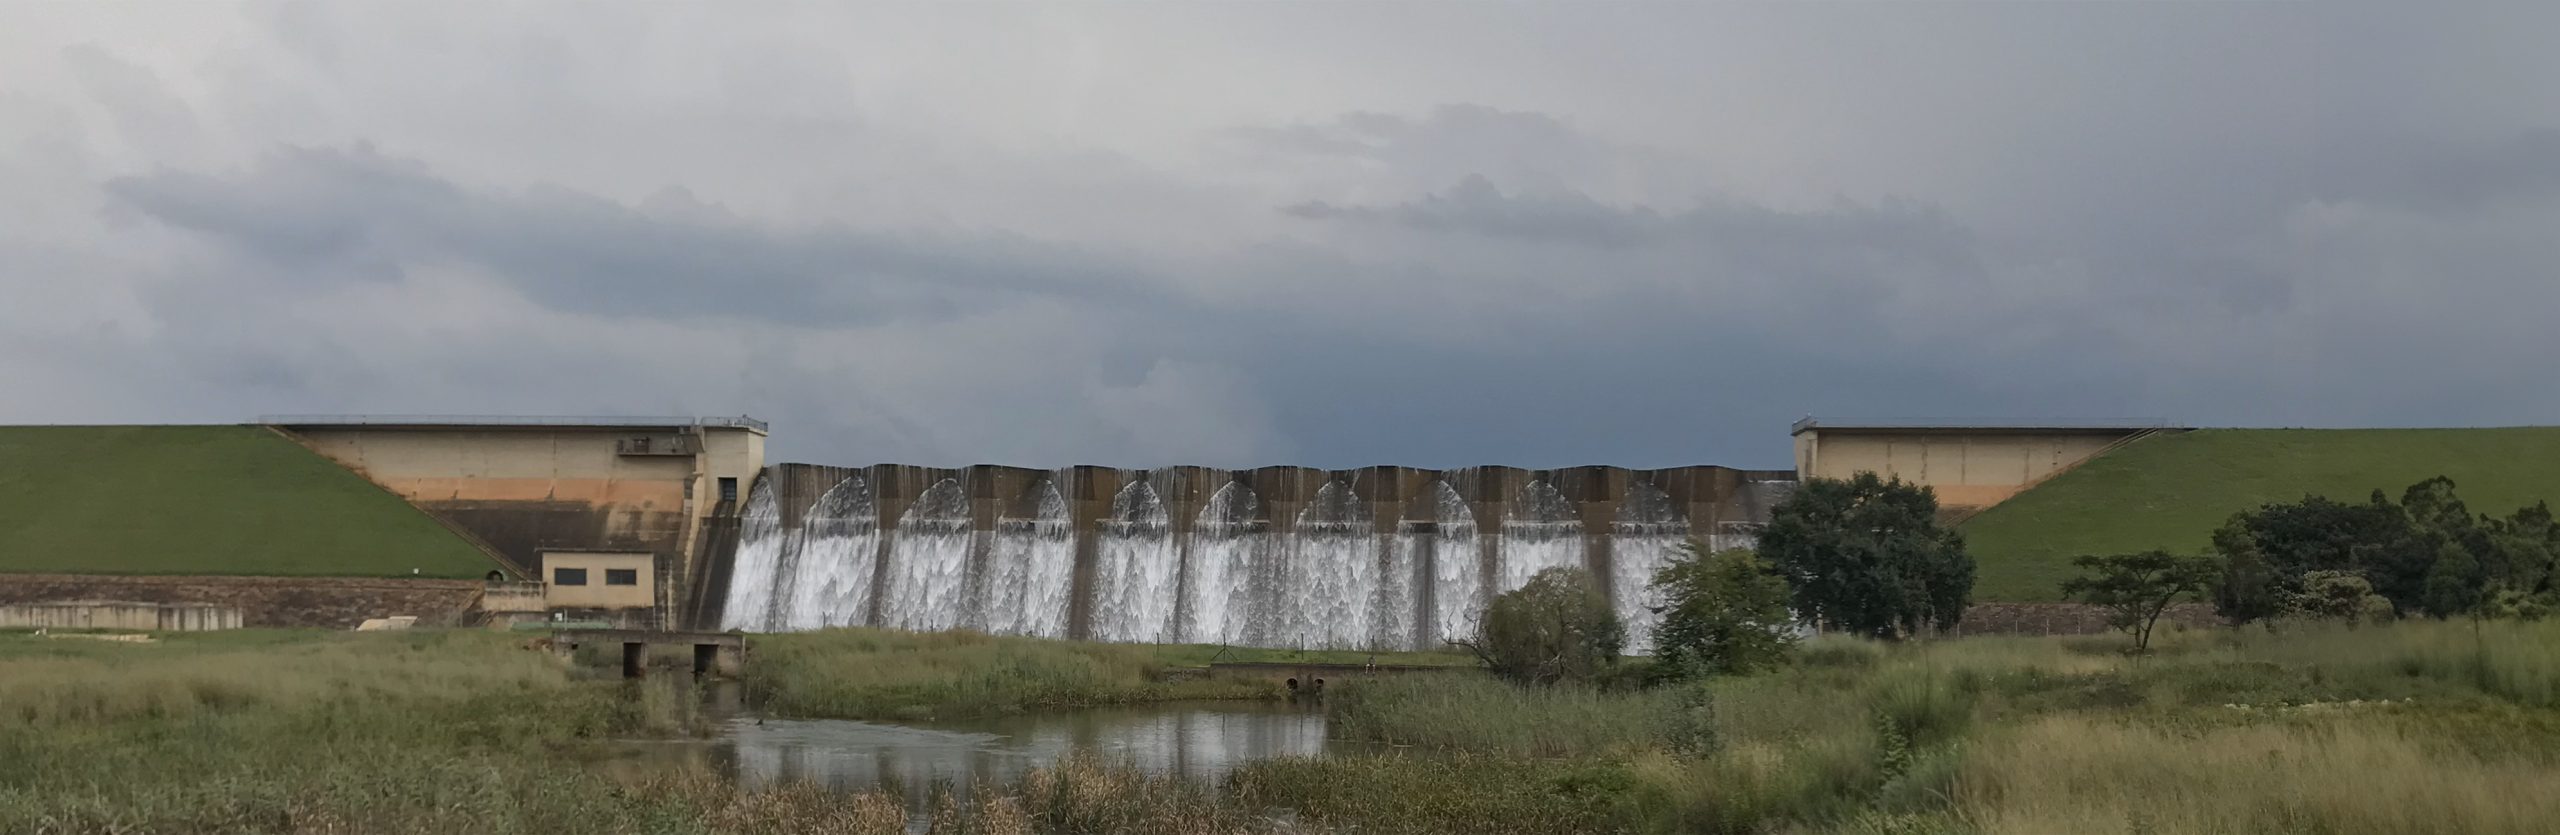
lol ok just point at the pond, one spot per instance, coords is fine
(1200, 740)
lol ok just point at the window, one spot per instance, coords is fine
(728, 488)
(568, 576)
(622, 576)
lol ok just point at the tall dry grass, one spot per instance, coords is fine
(1483, 714)
(59, 682)
(2343, 775)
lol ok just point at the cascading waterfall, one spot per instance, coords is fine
(1394, 595)
(1328, 572)
(828, 572)
(1327, 585)
(1224, 553)
(1457, 570)
(1646, 535)
(1136, 569)
(929, 562)
(758, 565)
(1031, 569)
(1542, 532)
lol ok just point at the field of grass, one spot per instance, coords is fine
(2171, 491)
(204, 500)
(316, 733)
(2416, 727)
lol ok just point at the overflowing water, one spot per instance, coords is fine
(1031, 566)
(1543, 532)
(1225, 553)
(1194, 555)
(929, 562)
(1136, 568)
(1646, 536)
(830, 564)
(1457, 566)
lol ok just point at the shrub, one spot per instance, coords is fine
(1721, 613)
(1558, 627)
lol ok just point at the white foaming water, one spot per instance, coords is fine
(829, 572)
(1224, 553)
(1031, 569)
(928, 577)
(1393, 621)
(758, 564)
(1541, 533)
(1137, 569)
(1457, 572)
(1327, 587)
(1646, 536)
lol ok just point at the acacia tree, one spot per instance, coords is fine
(1724, 612)
(2136, 588)
(1868, 556)
(1558, 627)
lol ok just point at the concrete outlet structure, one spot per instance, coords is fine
(524, 486)
(1970, 466)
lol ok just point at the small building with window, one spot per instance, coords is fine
(576, 579)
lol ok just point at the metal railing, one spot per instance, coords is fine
(740, 421)
(2128, 424)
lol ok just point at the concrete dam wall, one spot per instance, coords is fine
(1377, 557)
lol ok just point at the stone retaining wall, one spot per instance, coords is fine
(2067, 618)
(324, 602)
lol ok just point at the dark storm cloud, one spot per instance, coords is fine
(329, 214)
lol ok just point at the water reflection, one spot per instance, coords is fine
(1197, 740)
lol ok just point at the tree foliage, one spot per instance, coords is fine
(1724, 612)
(2426, 554)
(2136, 588)
(1558, 627)
(2338, 595)
(1867, 555)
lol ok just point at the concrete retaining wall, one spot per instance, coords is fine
(140, 617)
(333, 603)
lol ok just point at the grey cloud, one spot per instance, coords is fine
(1475, 205)
(333, 213)
(1663, 233)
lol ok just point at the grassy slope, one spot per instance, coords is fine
(204, 500)
(2172, 491)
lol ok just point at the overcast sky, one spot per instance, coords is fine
(1241, 234)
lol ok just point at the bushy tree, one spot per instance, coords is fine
(2268, 550)
(1724, 612)
(2136, 588)
(1867, 555)
(2339, 595)
(2426, 554)
(1558, 627)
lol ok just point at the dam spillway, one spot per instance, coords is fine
(1369, 558)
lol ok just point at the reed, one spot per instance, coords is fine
(885, 674)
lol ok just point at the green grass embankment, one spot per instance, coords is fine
(2172, 491)
(233, 500)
